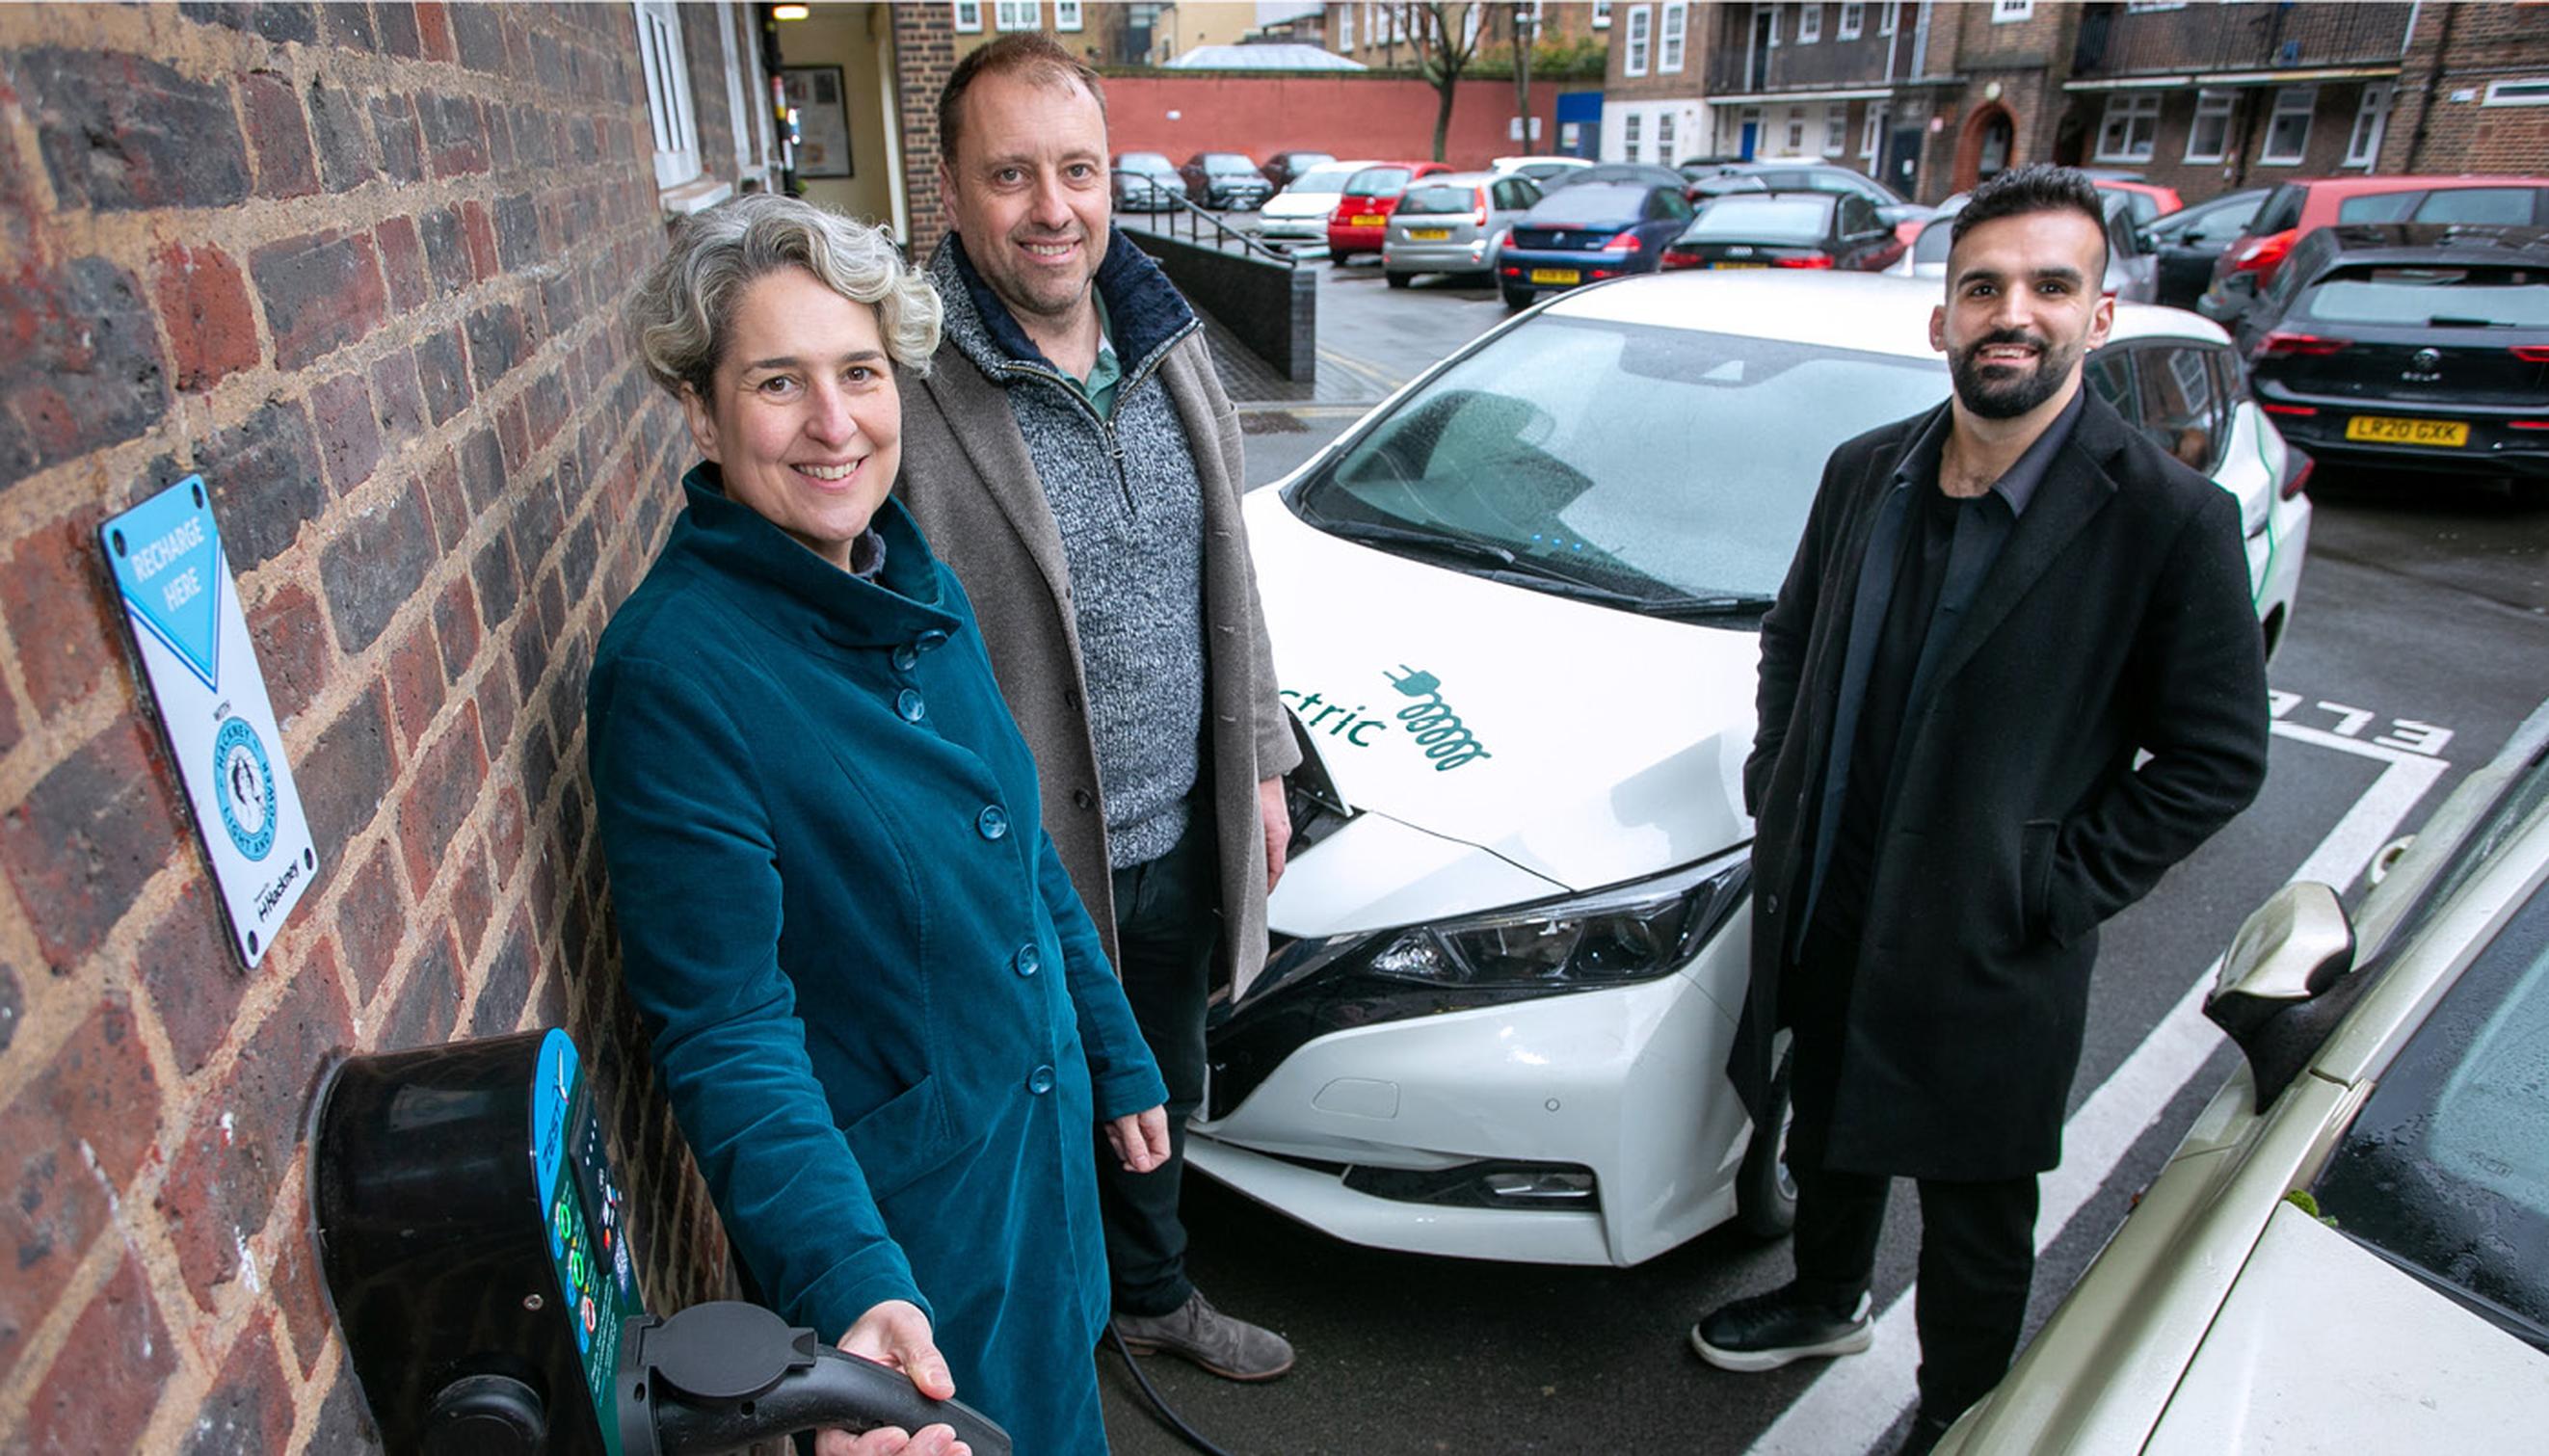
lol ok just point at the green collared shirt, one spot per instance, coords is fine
(1098, 388)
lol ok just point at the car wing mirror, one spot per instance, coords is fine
(2290, 951)
(2146, 241)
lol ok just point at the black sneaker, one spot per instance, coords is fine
(1769, 1330)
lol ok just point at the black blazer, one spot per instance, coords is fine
(2117, 620)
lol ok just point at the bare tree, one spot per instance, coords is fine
(1447, 39)
(1526, 32)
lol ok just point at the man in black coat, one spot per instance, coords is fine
(1996, 607)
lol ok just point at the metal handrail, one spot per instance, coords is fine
(1197, 218)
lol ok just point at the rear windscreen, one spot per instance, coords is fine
(1769, 220)
(1422, 199)
(2441, 298)
(1379, 182)
(1589, 202)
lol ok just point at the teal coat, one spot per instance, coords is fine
(882, 1018)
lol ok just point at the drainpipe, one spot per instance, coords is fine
(2433, 84)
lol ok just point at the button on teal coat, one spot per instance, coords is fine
(882, 1018)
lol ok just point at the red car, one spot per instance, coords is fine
(1362, 217)
(2296, 208)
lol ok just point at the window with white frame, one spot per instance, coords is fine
(1344, 28)
(1796, 131)
(2370, 119)
(1472, 18)
(1601, 14)
(1631, 126)
(1871, 132)
(1638, 15)
(1885, 17)
(1017, 15)
(1665, 140)
(2010, 11)
(2132, 127)
(2144, 7)
(2208, 136)
(2522, 91)
(1836, 129)
(969, 16)
(1669, 53)
(668, 93)
(1065, 15)
(2287, 127)
(1854, 19)
(1810, 24)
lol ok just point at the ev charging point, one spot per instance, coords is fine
(475, 1244)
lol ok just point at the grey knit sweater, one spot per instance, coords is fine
(1124, 497)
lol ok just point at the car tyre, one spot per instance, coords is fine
(1399, 280)
(1765, 1194)
(1515, 298)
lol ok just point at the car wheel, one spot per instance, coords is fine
(1516, 298)
(1765, 1193)
(1399, 280)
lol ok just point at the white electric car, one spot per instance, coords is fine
(1516, 613)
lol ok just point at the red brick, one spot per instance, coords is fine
(441, 486)
(481, 232)
(80, 367)
(455, 133)
(223, 1172)
(399, 397)
(301, 1296)
(280, 136)
(433, 29)
(292, 648)
(415, 676)
(505, 829)
(471, 900)
(455, 627)
(498, 702)
(346, 775)
(429, 1002)
(507, 984)
(374, 565)
(193, 975)
(371, 921)
(403, 259)
(86, 838)
(61, 613)
(512, 426)
(97, 1099)
(202, 303)
(250, 1407)
(349, 434)
(100, 1392)
(321, 293)
(442, 787)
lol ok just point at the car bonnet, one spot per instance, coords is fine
(1583, 744)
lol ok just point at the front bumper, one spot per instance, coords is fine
(1293, 229)
(1627, 1083)
(2495, 445)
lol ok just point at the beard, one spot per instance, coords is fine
(2000, 391)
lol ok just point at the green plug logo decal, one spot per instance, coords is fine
(1437, 729)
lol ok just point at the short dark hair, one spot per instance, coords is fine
(1031, 54)
(2038, 187)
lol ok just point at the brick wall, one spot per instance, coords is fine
(924, 55)
(2462, 47)
(361, 265)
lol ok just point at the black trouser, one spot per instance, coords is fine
(1977, 1238)
(1168, 922)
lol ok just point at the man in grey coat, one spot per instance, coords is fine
(1073, 457)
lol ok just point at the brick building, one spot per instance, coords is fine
(364, 267)
(2472, 92)
(1843, 85)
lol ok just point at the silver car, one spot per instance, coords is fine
(1454, 222)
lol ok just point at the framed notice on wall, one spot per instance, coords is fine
(820, 102)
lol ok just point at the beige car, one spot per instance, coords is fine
(2350, 1250)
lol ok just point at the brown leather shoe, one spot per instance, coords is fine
(1233, 1350)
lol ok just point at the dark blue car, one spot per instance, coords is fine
(1589, 231)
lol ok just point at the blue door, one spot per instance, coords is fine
(1752, 139)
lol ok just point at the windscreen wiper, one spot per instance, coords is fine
(2448, 320)
(1527, 573)
(1377, 533)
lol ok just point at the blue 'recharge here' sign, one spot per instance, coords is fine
(192, 639)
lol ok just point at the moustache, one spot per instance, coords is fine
(2017, 337)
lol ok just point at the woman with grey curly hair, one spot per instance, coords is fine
(882, 1016)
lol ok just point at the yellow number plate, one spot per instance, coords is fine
(1366, 220)
(1738, 265)
(1429, 235)
(1555, 275)
(2394, 431)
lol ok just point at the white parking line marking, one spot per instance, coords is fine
(1855, 1401)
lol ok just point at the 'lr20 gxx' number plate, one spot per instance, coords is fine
(2388, 430)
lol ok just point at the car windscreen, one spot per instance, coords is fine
(1661, 463)
(1931, 245)
(1424, 200)
(1588, 201)
(1377, 182)
(1229, 162)
(1324, 178)
(2444, 1169)
(1144, 161)
(2438, 297)
(1797, 220)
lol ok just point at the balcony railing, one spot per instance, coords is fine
(2117, 41)
(1736, 66)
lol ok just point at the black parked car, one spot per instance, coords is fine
(2189, 240)
(1146, 182)
(1225, 179)
(2410, 343)
(1891, 206)
(1787, 229)
(1284, 169)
